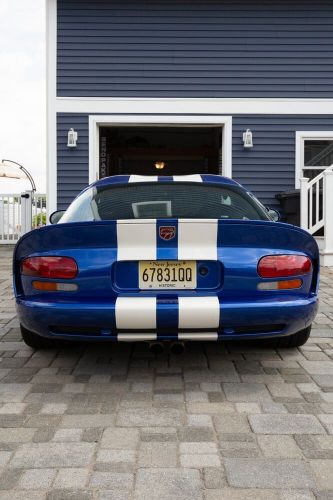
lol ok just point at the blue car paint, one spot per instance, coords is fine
(41, 313)
(93, 245)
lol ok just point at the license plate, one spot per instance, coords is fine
(165, 274)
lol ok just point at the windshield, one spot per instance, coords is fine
(164, 200)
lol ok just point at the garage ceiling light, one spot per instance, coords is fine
(159, 165)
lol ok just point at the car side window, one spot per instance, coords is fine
(82, 209)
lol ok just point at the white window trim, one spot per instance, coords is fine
(301, 136)
(158, 120)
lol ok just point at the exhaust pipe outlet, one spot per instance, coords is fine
(177, 347)
(156, 347)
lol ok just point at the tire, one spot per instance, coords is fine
(296, 340)
(37, 342)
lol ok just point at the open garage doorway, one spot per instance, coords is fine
(160, 150)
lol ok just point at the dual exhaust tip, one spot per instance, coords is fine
(159, 347)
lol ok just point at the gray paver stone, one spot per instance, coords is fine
(168, 484)
(142, 417)
(244, 392)
(53, 455)
(286, 424)
(268, 473)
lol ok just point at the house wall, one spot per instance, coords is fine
(72, 163)
(266, 169)
(269, 167)
(217, 49)
(200, 48)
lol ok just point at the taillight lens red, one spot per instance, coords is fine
(282, 266)
(50, 267)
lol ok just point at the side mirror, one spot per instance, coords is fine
(56, 216)
(274, 215)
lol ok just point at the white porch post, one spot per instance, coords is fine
(304, 203)
(328, 215)
(26, 212)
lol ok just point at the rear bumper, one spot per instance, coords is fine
(89, 320)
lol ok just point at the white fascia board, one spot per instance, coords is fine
(51, 78)
(209, 106)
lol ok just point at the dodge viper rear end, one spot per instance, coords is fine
(188, 258)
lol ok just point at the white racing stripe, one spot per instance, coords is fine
(143, 178)
(198, 312)
(198, 336)
(187, 178)
(136, 241)
(197, 240)
(136, 313)
(132, 337)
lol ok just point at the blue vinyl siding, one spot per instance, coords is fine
(269, 167)
(266, 169)
(203, 48)
(72, 163)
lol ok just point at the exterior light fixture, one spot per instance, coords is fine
(6, 171)
(72, 138)
(247, 139)
(159, 165)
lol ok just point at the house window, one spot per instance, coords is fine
(314, 153)
(317, 154)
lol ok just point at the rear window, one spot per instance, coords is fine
(162, 200)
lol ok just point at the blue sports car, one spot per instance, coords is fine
(156, 259)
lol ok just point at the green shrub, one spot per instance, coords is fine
(39, 220)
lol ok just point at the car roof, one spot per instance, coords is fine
(142, 179)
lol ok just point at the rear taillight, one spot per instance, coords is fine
(282, 266)
(49, 267)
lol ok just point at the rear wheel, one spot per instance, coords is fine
(295, 340)
(38, 342)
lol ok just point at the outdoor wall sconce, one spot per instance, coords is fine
(159, 165)
(72, 138)
(247, 139)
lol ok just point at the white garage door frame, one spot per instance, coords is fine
(95, 121)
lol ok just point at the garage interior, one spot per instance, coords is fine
(159, 150)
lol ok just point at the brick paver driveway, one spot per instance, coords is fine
(231, 421)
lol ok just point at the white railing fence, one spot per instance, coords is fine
(38, 210)
(10, 217)
(317, 210)
(19, 213)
